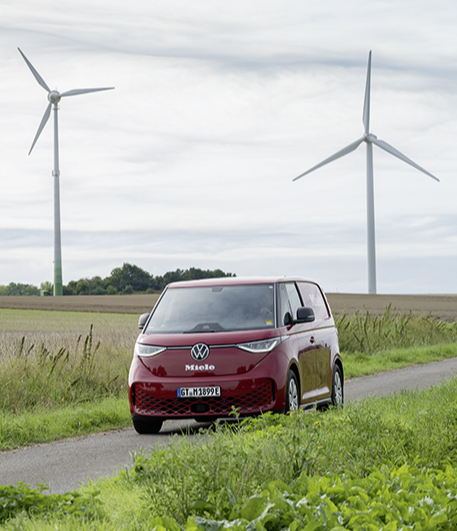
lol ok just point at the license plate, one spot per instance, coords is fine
(190, 392)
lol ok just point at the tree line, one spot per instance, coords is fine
(123, 280)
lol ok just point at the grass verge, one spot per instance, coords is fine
(70, 421)
(363, 364)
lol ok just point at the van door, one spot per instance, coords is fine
(304, 338)
(323, 331)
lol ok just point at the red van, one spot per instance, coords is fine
(217, 346)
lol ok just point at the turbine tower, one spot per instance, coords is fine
(369, 139)
(54, 97)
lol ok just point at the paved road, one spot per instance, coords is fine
(66, 464)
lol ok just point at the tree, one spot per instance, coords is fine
(14, 289)
(129, 275)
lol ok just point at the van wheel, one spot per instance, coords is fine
(292, 393)
(147, 425)
(337, 387)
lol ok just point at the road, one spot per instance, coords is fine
(65, 465)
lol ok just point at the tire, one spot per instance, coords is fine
(337, 387)
(292, 393)
(146, 425)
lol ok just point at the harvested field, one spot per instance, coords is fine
(136, 304)
(442, 306)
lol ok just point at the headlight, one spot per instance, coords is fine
(263, 346)
(147, 351)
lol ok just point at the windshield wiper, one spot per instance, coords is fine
(206, 331)
(205, 327)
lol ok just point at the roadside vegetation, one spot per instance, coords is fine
(379, 464)
(65, 374)
(371, 344)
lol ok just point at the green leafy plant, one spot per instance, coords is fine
(221, 476)
(22, 498)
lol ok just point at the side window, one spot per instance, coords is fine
(312, 298)
(294, 298)
(283, 306)
(289, 301)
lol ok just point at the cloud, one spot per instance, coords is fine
(190, 160)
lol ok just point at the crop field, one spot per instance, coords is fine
(441, 306)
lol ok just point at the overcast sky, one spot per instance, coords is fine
(217, 107)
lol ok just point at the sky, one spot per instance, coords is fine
(217, 106)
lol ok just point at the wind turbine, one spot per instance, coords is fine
(369, 139)
(54, 97)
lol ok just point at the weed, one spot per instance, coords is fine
(23, 499)
(45, 374)
(220, 472)
(365, 333)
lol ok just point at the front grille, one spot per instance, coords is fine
(257, 398)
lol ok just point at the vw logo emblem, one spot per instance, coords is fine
(199, 352)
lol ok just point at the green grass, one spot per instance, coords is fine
(63, 374)
(387, 463)
(365, 333)
(71, 421)
(50, 360)
(371, 344)
(362, 364)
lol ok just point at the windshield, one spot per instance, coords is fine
(213, 309)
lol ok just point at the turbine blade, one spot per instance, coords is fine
(34, 72)
(76, 92)
(335, 156)
(44, 120)
(390, 149)
(366, 104)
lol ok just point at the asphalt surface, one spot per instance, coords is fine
(64, 465)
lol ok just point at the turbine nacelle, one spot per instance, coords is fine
(54, 96)
(369, 137)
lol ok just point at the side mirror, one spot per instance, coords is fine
(288, 319)
(142, 320)
(305, 315)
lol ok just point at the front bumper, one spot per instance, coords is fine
(245, 397)
(257, 391)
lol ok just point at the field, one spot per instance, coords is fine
(441, 306)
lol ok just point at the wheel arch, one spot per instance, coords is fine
(339, 364)
(294, 368)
